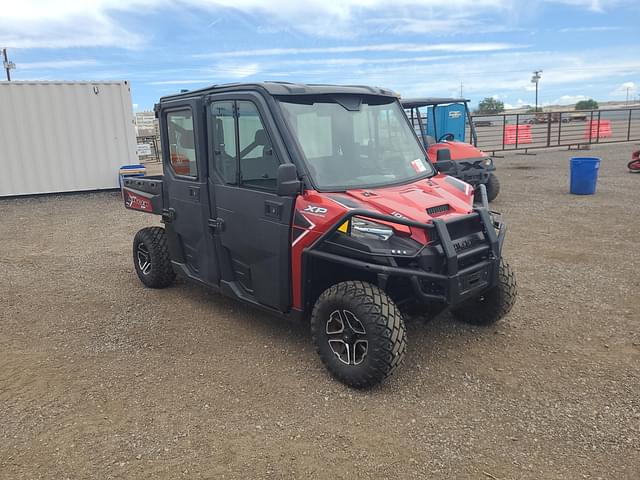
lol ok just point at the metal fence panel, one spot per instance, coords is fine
(524, 131)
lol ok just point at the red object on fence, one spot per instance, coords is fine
(593, 132)
(523, 133)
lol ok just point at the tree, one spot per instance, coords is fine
(590, 104)
(490, 105)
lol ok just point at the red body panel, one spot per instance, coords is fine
(317, 212)
(459, 150)
(634, 164)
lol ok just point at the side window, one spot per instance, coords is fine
(258, 162)
(225, 150)
(181, 138)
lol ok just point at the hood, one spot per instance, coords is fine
(420, 201)
(459, 150)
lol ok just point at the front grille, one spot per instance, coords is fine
(464, 227)
(438, 210)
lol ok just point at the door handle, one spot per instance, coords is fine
(216, 225)
(194, 192)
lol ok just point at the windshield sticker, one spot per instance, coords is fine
(418, 166)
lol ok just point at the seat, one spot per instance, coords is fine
(259, 167)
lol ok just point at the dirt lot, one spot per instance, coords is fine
(101, 378)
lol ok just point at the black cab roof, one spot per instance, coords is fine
(285, 88)
(424, 101)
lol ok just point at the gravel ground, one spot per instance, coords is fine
(102, 378)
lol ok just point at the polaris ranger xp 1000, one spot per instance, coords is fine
(441, 126)
(318, 202)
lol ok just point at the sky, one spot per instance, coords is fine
(585, 48)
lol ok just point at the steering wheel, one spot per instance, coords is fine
(447, 137)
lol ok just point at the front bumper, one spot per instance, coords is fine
(452, 269)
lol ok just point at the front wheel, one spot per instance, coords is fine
(493, 304)
(359, 333)
(151, 258)
(493, 187)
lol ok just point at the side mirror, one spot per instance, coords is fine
(288, 184)
(443, 160)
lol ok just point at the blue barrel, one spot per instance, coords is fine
(584, 175)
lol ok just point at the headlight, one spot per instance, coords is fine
(488, 162)
(361, 228)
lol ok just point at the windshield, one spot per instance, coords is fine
(364, 143)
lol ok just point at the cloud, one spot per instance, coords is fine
(383, 47)
(101, 23)
(593, 5)
(504, 72)
(601, 28)
(501, 71)
(57, 64)
(66, 23)
(188, 81)
(626, 88)
(238, 70)
(349, 18)
(107, 23)
(567, 100)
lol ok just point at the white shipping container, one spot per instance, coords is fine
(64, 136)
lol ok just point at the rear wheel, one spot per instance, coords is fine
(151, 258)
(493, 187)
(359, 333)
(493, 304)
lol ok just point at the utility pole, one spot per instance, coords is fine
(7, 64)
(535, 79)
(627, 102)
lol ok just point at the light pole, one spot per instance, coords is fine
(535, 79)
(7, 64)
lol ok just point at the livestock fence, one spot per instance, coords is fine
(526, 131)
(148, 148)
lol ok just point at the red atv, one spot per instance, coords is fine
(441, 126)
(634, 164)
(318, 202)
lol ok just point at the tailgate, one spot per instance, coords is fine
(143, 194)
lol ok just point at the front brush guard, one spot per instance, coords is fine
(453, 285)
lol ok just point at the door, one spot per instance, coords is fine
(190, 243)
(451, 119)
(253, 223)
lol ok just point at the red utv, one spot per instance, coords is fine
(318, 202)
(634, 164)
(441, 125)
